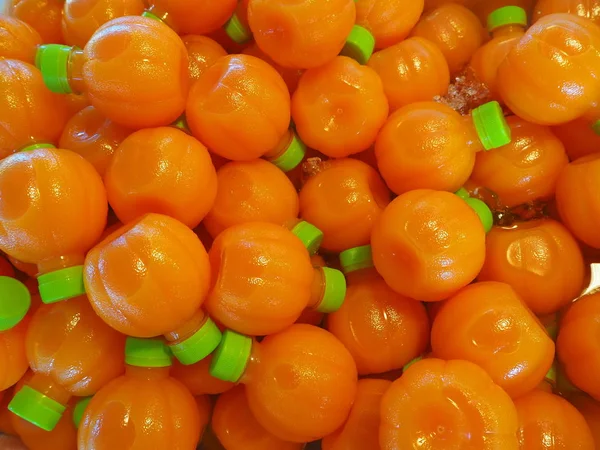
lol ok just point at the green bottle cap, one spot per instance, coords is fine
(147, 353)
(181, 123)
(61, 284)
(551, 375)
(15, 301)
(463, 193)
(359, 45)
(236, 30)
(198, 346)
(483, 211)
(32, 147)
(293, 154)
(310, 236)
(596, 127)
(356, 258)
(53, 62)
(335, 290)
(508, 15)
(80, 409)
(491, 125)
(36, 408)
(232, 355)
(152, 16)
(410, 363)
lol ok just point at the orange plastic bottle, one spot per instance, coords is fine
(236, 428)
(524, 170)
(6, 268)
(18, 40)
(456, 31)
(134, 71)
(89, 134)
(81, 18)
(506, 26)
(150, 278)
(382, 330)
(290, 76)
(203, 52)
(43, 15)
(243, 89)
(428, 145)
(145, 408)
(30, 113)
(564, 48)
(338, 108)
(549, 421)
(429, 244)
(161, 170)
(440, 404)
(300, 383)
(413, 70)
(54, 210)
(344, 200)
(289, 283)
(578, 137)
(361, 430)
(198, 380)
(13, 357)
(590, 9)
(539, 259)
(590, 409)
(577, 348)
(488, 324)
(577, 200)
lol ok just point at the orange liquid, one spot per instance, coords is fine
(203, 52)
(18, 40)
(193, 16)
(590, 9)
(590, 410)
(62, 437)
(290, 76)
(42, 15)
(197, 378)
(578, 137)
(13, 358)
(6, 269)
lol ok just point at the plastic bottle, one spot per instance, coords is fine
(43, 15)
(145, 408)
(300, 383)
(428, 145)
(198, 380)
(382, 330)
(133, 71)
(488, 324)
(414, 70)
(290, 76)
(339, 108)
(30, 113)
(288, 282)
(590, 9)
(236, 428)
(564, 48)
(440, 404)
(539, 259)
(590, 409)
(82, 18)
(203, 52)
(578, 137)
(162, 299)
(161, 170)
(344, 200)
(18, 40)
(13, 357)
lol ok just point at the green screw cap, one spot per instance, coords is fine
(359, 45)
(356, 258)
(410, 363)
(53, 61)
(551, 375)
(508, 15)
(61, 284)
(293, 154)
(491, 125)
(310, 236)
(15, 301)
(335, 291)
(152, 16)
(596, 127)
(483, 211)
(199, 345)
(36, 408)
(32, 147)
(79, 410)
(181, 124)
(236, 30)
(147, 353)
(230, 360)
(462, 193)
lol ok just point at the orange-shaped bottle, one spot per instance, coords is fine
(344, 200)
(145, 408)
(150, 278)
(203, 52)
(590, 9)
(13, 357)
(382, 330)
(456, 31)
(300, 383)
(440, 404)
(413, 70)
(563, 47)
(43, 15)
(30, 113)
(428, 145)
(578, 137)
(488, 324)
(289, 283)
(338, 108)
(539, 259)
(89, 134)
(133, 70)
(236, 428)
(197, 378)
(291, 76)
(18, 40)
(54, 210)
(81, 18)
(161, 170)
(590, 409)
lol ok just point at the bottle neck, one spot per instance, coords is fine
(472, 137)
(187, 329)
(50, 388)
(251, 372)
(317, 290)
(75, 71)
(357, 276)
(157, 13)
(508, 31)
(147, 373)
